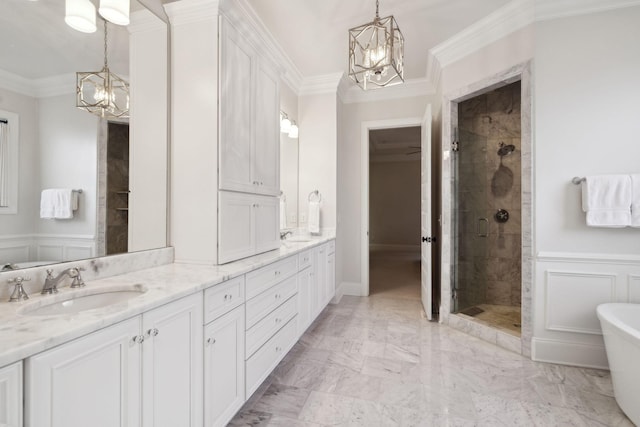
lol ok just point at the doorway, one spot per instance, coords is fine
(394, 212)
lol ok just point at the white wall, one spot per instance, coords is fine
(68, 152)
(394, 204)
(318, 155)
(349, 173)
(586, 122)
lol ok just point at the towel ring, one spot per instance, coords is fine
(317, 194)
(283, 196)
(577, 180)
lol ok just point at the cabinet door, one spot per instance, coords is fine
(305, 283)
(267, 213)
(224, 368)
(237, 82)
(92, 381)
(330, 277)
(11, 395)
(267, 138)
(320, 279)
(236, 235)
(172, 364)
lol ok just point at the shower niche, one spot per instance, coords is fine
(487, 236)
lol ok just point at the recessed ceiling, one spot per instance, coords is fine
(36, 42)
(315, 33)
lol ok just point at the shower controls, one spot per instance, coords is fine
(502, 216)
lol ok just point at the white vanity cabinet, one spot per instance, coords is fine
(11, 395)
(145, 371)
(249, 144)
(330, 272)
(305, 290)
(247, 225)
(224, 351)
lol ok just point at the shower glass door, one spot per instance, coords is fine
(471, 222)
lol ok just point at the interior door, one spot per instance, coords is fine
(425, 212)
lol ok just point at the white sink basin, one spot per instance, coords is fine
(298, 239)
(81, 300)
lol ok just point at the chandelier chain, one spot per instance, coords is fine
(105, 44)
(377, 4)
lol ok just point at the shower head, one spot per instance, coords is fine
(505, 150)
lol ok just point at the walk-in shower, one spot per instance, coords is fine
(487, 282)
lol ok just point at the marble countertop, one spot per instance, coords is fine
(22, 336)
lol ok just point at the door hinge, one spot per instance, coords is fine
(429, 239)
(455, 146)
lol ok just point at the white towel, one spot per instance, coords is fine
(314, 217)
(58, 203)
(607, 200)
(283, 213)
(635, 200)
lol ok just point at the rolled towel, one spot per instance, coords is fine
(607, 200)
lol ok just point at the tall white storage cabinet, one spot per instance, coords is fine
(145, 371)
(249, 149)
(11, 395)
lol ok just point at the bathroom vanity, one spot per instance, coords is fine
(189, 350)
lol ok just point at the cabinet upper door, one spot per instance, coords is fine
(172, 364)
(11, 395)
(267, 213)
(267, 136)
(236, 235)
(236, 111)
(92, 381)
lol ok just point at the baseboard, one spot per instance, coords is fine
(569, 353)
(395, 248)
(350, 288)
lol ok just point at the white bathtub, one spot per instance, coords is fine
(621, 330)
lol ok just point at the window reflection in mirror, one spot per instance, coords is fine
(120, 166)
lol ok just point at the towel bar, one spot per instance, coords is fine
(577, 180)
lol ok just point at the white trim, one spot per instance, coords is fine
(350, 93)
(569, 353)
(364, 188)
(13, 152)
(16, 83)
(145, 21)
(327, 83)
(393, 247)
(55, 85)
(586, 258)
(186, 12)
(350, 288)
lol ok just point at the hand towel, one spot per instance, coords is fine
(607, 200)
(283, 213)
(58, 203)
(635, 200)
(314, 217)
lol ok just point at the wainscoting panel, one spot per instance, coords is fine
(568, 288)
(64, 247)
(634, 288)
(14, 249)
(572, 298)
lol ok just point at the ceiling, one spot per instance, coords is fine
(314, 34)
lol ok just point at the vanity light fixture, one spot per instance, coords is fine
(80, 15)
(293, 132)
(376, 53)
(101, 92)
(115, 11)
(285, 123)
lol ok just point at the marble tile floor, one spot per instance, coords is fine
(376, 361)
(504, 317)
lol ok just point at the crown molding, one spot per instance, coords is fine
(316, 85)
(62, 84)
(509, 18)
(185, 12)
(352, 93)
(16, 83)
(553, 9)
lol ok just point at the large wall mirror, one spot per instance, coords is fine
(288, 182)
(117, 167)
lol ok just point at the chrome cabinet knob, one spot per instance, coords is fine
(211, 341)
(138, 339)
(153, 332)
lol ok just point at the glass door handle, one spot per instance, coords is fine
(479, 227)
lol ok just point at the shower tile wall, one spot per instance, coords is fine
(489, 269)
(117, 189)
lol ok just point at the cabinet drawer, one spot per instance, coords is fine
(260, 365)
(264, 329)
(222, 298)
(260, 280)
(304, 259)
(331, 247)
(263, 304)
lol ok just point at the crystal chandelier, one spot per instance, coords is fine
(376, 53)
(101, 92)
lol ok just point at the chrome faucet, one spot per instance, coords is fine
(51, 283)
(9, 267)
(283, 234)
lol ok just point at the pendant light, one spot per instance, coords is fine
(101, 92)
(115, 11)
(376, 53)
(80, 15)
